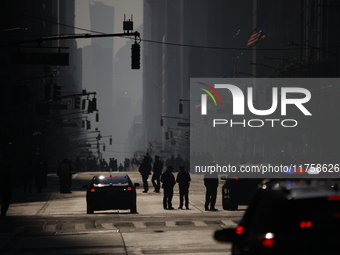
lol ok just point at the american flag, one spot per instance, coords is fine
(256, 35)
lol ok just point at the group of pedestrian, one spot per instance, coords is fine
(168, 181)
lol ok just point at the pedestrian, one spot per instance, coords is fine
(120, 168)
(183, 179)
(211, 184)
(5, 186)
(157, 172)
(65, 172)
(168, 180)
(145, 171)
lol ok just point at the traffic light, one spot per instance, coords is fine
(83, 104)
(103, 147)
(88, 124)
(180, 108)
(110, 140)
(135, 56)
(56, 92)
(77, 102)
(97, 117)
(166, 135)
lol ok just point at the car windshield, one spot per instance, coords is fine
(111, 179)
(320, 215)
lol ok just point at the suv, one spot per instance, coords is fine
(289, 217)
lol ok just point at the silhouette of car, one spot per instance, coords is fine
(297, 217)
(111, 192)
(238, 191)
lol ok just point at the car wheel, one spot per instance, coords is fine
(133, 209)
(89, 210)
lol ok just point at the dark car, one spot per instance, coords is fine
(238, 191)
(298, 217)
(111, 192)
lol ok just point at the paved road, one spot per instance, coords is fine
(54, 223)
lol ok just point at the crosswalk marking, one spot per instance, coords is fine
(79, 226)
(51, 228)
(199, 223)
(139, 224)
(108, 226)
(229, 223)
(170, 224)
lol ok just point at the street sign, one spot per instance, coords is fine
(59, 59)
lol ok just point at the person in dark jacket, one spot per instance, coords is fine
(145, 171)
(157, 172)
(211, 184)
(168, 180)
(65, 172)
(183, 179)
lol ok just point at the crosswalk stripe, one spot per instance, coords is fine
(108, 226)
(170, 224)
(199, 223)
(79, 226)
(139, 224)
(51, 228)
(229, 223)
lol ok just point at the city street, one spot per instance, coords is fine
(55, 223)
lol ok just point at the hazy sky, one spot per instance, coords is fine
(127, 83)
(121, 7)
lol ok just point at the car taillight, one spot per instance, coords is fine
(239, 230)
(268, 242)
(93, 190)
(129, 188)
(333, 198)
(305, 224)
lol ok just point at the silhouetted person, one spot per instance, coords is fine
(120, 168)
(145, 171)
(183, 179)
(65, 176)
(28, 174)
(168, 180)
(157, 172)
(5, 186)
(40, 175)
(211, 184)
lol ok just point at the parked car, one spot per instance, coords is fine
(297, 217)
(111, 192)
(238, 191)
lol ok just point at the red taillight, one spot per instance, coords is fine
(129, 188)
(332, 198)
(93, 190)
(305, 224)
(239, 230)
(268, 243)
(337, 215)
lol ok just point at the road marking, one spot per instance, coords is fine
(51, 228)
(139, 224)
(170, 223)
(107, 225)
(199, 223)
(229, 223)
(79, 226)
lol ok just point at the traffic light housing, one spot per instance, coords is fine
(56, 92)
(135, 56)
(88, 124)
(77, 102)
